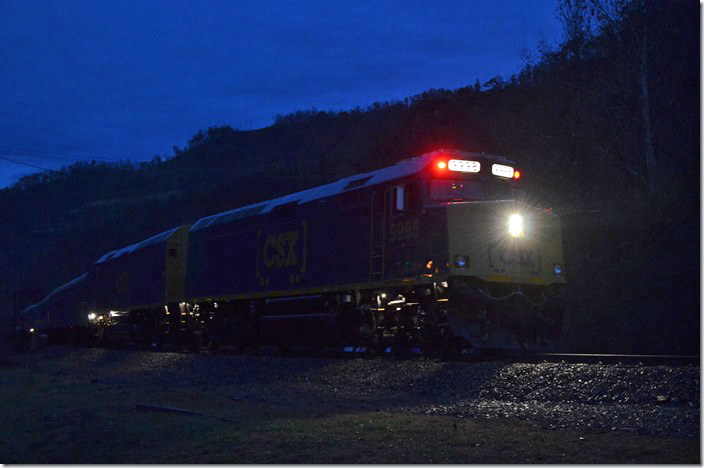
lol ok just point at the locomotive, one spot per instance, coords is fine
(438, 252)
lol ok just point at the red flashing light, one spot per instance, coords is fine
(442, 164)
(516, 175)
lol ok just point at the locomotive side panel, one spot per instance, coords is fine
(221, 260)
(112, 289)
(145, 278)
(137, 276)
(59, 314)
(281, 246)
(338, 240)
(315, 245)
(416, 238)
(69, 307)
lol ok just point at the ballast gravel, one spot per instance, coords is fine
(655, 400)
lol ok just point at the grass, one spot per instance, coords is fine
(59, 412)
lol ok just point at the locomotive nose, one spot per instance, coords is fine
(504, 243)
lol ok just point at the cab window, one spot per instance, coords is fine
(404, 198)
(399, 198)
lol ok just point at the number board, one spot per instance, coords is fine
(460, 165)
(502, 171)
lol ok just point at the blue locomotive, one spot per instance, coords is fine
(435, 251)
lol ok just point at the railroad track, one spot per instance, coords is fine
(467, 356)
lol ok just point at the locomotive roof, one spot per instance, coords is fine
(397, 171)
(139, 245)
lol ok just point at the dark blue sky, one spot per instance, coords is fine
(130, 79)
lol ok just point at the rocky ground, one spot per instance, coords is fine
(83, 405)
(655, 400)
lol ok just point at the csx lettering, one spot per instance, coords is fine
(280, 250)
(517, 257)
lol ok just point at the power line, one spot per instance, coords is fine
(27, 164)
(63, 159)
(35, 152)
(313, 178)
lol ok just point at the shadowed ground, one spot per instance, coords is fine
(73, 405)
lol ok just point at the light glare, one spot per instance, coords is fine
(515, 225)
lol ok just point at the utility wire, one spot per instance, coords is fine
(32, 151)
(27, 164)
(27, 152)
(312, 179)
(7, 151)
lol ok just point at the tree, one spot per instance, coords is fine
(625, 23)
(577, 22)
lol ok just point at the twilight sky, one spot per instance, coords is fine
(130, 79)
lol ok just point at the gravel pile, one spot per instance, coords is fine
(595, 384)
(657, 400)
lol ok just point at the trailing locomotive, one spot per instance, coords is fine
(435, 251)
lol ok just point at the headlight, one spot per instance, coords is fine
(91, 316)
(515, 225)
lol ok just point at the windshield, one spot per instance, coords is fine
(456, 190)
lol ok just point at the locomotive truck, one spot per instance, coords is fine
(439, 251)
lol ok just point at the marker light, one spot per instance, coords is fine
(515, 225)
(442, 165)
(516, 174)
